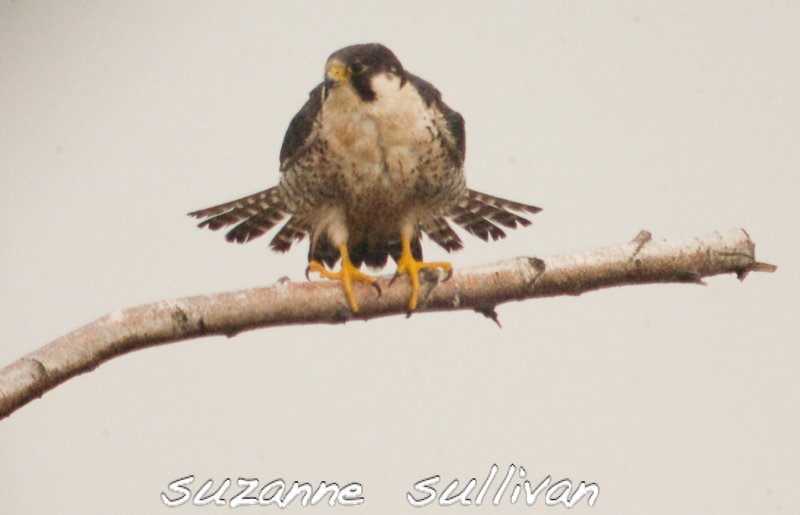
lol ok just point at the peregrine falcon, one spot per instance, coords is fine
(372, 161)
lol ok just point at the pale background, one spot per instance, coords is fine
(117, 118)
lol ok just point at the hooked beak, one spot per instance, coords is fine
(336, 73)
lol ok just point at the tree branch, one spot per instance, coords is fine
(640, 261)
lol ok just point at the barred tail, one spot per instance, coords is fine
(479, 213)
(254, 214)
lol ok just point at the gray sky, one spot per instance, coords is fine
(117, 118)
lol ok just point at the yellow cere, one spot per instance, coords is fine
(338, 72)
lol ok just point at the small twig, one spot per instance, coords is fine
(640, 261)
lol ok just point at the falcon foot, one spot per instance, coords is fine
(408, 265)
(347, 275)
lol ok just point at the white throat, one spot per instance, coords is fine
(386, 86)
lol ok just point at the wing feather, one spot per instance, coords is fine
(453, 126)
(478, 213)
(255, 214)
(301, 128)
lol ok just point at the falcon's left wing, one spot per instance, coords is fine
(453, 127)
(478, 213)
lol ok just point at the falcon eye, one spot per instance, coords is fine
(357, 68)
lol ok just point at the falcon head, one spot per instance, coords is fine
(369, 70)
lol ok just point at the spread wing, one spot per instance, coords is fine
(256, 214)
(253, 215)
(480, 214)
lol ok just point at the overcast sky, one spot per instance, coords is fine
(682, 118)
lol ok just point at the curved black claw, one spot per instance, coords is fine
(394, 278)
(378, 288)
(308, 271)
(448, 276)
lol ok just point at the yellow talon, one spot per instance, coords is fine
(347, 274)
(408, 265)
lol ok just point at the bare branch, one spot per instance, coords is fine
(640, 261)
